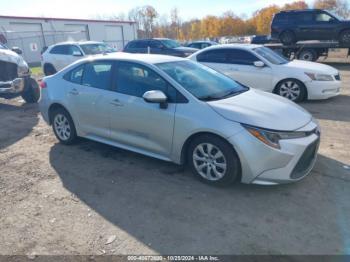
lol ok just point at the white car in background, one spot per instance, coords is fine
(261, 68)
(58, 56)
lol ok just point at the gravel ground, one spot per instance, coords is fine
(94, 199)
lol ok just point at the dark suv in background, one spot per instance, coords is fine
(312, 24)
(163, 46)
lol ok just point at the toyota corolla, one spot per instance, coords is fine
(178, 110)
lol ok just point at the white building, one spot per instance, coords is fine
(31, 34)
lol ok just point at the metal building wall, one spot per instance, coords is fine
(33, 34)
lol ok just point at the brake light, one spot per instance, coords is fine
(43, 84)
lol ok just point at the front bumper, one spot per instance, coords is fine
(322, 89)
(15, 86)
(265, 165)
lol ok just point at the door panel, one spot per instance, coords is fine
(135, 122)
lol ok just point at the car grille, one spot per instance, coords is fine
(337, 77)
(305, 161)
(8, 71)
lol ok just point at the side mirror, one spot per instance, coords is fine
(332, 20)
(77, 53)
(259, 64)
(156, 96)
(17, 50)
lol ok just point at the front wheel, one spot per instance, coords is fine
(63, 127)
(213, 160)
(291, 89)
(344, 38)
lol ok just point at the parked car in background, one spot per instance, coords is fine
(224, 131)
(163, 46)
(201, 44)
(15, 79)
(261, 68)
(58, 56)
(312, 24)
(261, 39)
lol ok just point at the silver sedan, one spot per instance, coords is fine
(180, 111)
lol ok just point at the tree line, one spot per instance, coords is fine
(151, 24)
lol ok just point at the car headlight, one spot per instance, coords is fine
(22, 70)
(319, 77)
(272, 138)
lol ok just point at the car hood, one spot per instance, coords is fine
(261, 109)
(186, 49)
(10, 56)
(313, 67)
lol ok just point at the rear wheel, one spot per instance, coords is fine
(49, 70)
(63, 126)
(213, 160)
(287, 38)
(344, 37)
(308, 55)
(291, 89)
(31, 93)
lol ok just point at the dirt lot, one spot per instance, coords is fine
(73, 200)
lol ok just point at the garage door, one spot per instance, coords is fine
(28, 37)
(114, 36)
(74, 32)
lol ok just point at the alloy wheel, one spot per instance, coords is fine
(290, 90)
(209, 161)
(62, 127)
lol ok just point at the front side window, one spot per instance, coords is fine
(270, 55)
(213, 56)
(98, 75)
(201, 81)
(170, 43)
(155, 44)
(94, 49)
(323, 17)
(61, 50)
(241, 57)
(135, 80)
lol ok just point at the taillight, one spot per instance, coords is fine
(43, 84)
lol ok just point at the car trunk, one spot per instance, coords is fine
(8, 71)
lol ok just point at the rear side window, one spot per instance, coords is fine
(98, 75)
(135, 79)
(303, 17)
(75, 75)
(213, 56)
(61, 50)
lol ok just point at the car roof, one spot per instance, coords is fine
(77, 43)
(300, 11)
(241, 46)
(146, 58)
(203, 41)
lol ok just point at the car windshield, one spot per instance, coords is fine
(335, 15)
(203, 82)
(170, 43)
(94, 49)
(271, 55)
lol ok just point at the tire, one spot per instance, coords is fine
(291, 89)
(63, 126)
(344, 38)
(49, 70)
(222, 158)
(31, 93)
(287, 38)
(308, 55)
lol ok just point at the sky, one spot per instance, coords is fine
(92, 8)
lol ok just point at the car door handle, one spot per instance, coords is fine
(234, 69)
(116, 102)
(74, 92)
